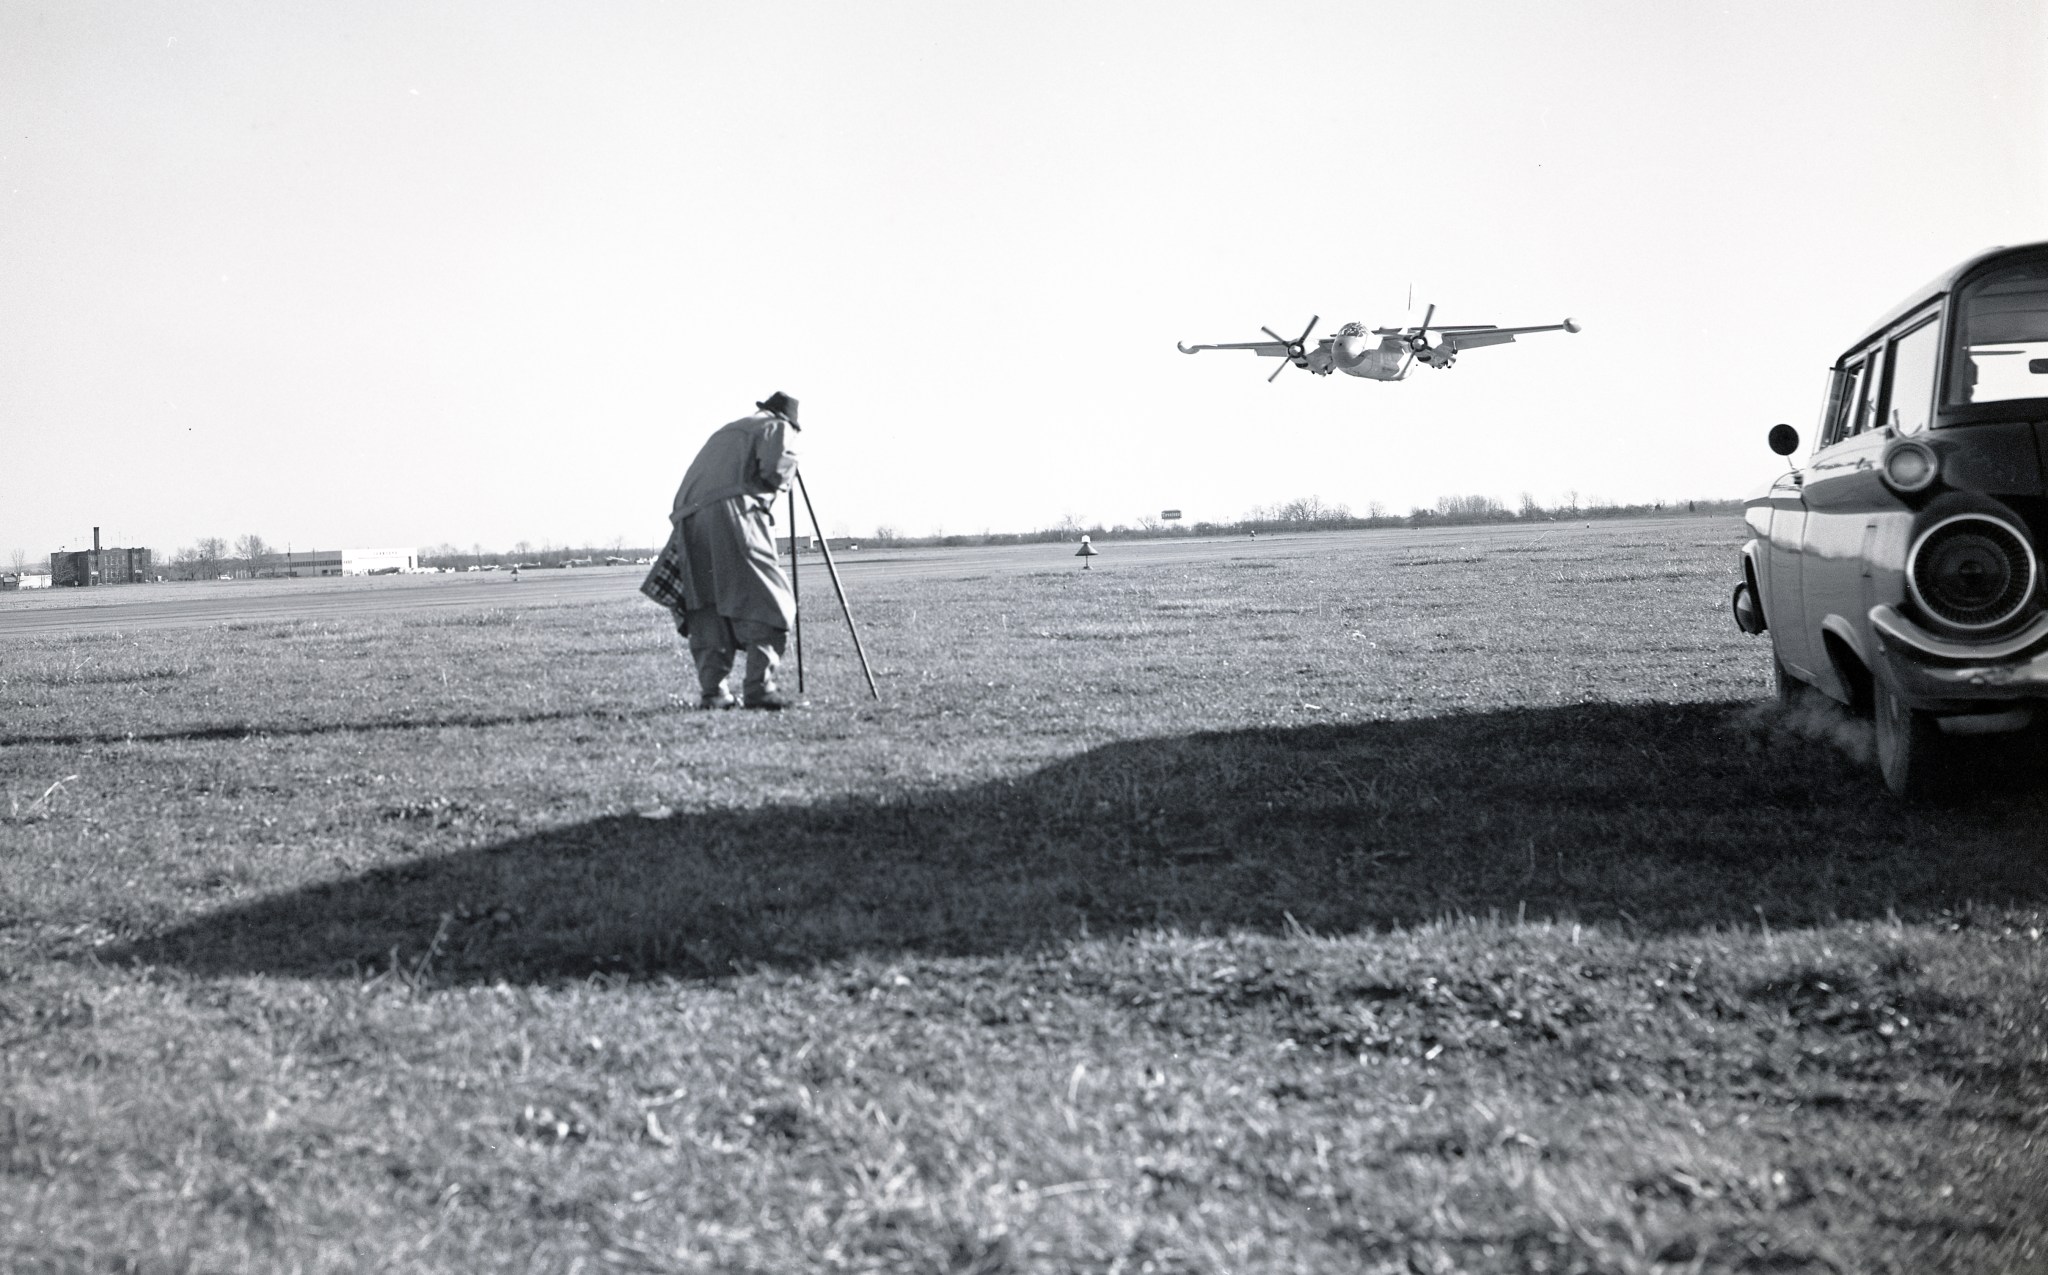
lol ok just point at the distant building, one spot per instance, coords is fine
(313, 562)
(79, 568)
(348, 562)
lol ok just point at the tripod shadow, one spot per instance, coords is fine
(1658, 817)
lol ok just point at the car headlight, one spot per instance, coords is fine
(1971, 571)
(1910, 467)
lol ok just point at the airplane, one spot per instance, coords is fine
(1352, 351)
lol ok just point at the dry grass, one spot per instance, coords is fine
(1456, 908)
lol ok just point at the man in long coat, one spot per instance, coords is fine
(719, 573)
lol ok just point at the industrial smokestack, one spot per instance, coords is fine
(95, 539)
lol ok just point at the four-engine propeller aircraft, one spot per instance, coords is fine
(1353, 351)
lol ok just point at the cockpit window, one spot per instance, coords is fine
(2002, 346)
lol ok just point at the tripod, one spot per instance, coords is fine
(796, 592)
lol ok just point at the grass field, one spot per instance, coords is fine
(1377, 903)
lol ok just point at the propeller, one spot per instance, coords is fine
(1418, 338)
(1296, 349)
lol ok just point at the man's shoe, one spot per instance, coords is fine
(770, 700)
(722, 700)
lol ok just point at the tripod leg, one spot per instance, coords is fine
(837, 587)
(796, 596)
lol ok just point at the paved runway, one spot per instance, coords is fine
(200, 603)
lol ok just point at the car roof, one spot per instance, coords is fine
(1938, 287)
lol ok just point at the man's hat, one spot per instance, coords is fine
(782, 405)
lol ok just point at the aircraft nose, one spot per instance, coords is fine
(1348, 351)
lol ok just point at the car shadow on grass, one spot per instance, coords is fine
(1658, 818)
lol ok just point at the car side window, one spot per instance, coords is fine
(2002, 336)
(1845, 394)
(1913, 358)
(1866, 404)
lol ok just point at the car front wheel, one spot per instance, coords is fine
(1909, 745)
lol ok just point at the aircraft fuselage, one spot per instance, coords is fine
(1359, 355)
(1356, 355)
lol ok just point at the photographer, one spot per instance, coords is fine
(719, 573)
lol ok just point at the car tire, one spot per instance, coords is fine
(1910, 746)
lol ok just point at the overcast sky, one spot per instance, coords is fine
(396, 274)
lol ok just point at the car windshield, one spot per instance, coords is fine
(2003, 350)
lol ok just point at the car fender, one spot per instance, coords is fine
(1754, 585)
(1852, 683)
(1753, 571)
(1846, 632)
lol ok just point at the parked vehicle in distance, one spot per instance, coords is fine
(1898, 572)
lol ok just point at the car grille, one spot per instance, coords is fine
(1972, 572)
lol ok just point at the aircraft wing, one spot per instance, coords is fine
(1264, 349)
(1473, 336)
(1484, 336)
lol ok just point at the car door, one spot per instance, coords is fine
(1797, 632)
(1783, 608)
(1844, 494)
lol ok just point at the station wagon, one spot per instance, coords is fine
(1898, 570)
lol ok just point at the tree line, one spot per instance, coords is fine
(211, 556)
(252, 555)
(544, 553)
(1312, 513)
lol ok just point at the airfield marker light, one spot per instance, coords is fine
(1085, 552)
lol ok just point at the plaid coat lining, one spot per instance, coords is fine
(664, 582)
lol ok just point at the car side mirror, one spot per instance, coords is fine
(1784, 439)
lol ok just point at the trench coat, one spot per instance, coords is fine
(721, 552)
